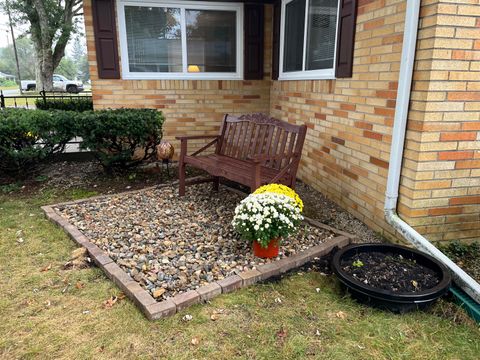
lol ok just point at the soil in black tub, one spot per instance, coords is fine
(389, 271)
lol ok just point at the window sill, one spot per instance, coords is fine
(173, 76)
(284, 77)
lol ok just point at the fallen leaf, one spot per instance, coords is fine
(79, 285)
(341, 315)
(46, 268)
(110, 302)
(214, 317)
(80, 252)
(281, 334)
(195, 341)
(187, 317)
(121, 296)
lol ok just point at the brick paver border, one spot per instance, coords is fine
(153, 309)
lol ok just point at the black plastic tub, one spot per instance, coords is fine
(398, 302)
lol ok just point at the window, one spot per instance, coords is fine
(181, 40)
(308, 39)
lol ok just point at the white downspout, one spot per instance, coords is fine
(462, 279)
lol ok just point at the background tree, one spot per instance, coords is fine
(26, 54)
(51, 24)
(79, 56)
(67, 68)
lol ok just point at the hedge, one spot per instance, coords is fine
(71, 104)
(119, 139)
(27, 138)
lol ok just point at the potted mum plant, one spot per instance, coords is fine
(265, 217)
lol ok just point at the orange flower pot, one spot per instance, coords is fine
(270, 251)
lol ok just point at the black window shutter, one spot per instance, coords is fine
(346, 38)
(253, 32)
(276, 39)
(105, 39)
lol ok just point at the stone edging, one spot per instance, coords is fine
(153, 309)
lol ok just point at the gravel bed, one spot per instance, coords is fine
(170, 244)
(321, 208)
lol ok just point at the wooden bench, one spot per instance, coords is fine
(252, 150)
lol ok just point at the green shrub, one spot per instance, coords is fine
(121, 138)
(7, 83)
(28, 138)
(74, 104)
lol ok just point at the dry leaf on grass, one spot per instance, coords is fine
(79, 285)
(187, 317)
(341, 315)
(46, 268)
(80, 252)
(110, 302)
(281, 335)
(195, 341)
(214, 317)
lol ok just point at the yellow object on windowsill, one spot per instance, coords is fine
(193, 68)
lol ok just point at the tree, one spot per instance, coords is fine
(79, 56)
(26, 54)
(51, 25)
(67, 68)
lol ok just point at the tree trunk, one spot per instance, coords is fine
(49, 42)
(45, 68)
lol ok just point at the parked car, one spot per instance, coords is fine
(60, 83)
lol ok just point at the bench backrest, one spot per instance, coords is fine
(257, 134)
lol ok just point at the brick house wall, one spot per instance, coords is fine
(192, 107)
(350, 121)
(440, 190)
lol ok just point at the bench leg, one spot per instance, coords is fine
(216, 182)
(256, 183)
(181, 178)
(293, 183)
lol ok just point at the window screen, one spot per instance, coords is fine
(211, 40)
(294, 30)
(321, 34)
(153, 39)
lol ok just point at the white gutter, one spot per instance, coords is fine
(461, 278)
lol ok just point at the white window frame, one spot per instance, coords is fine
(182, 5)
(305, 74)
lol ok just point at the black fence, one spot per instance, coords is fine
(28, 101)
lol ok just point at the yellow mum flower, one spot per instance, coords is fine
(281, 189)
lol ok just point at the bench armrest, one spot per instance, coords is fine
(196, 137)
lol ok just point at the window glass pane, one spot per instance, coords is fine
(321, 34)
(293, 37)
(153, 39)
(211, 40)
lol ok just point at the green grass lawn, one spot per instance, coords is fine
(8, 87)
(32, 96)
(45, 315)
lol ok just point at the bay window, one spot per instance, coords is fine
(308, 39)
(180, 39)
